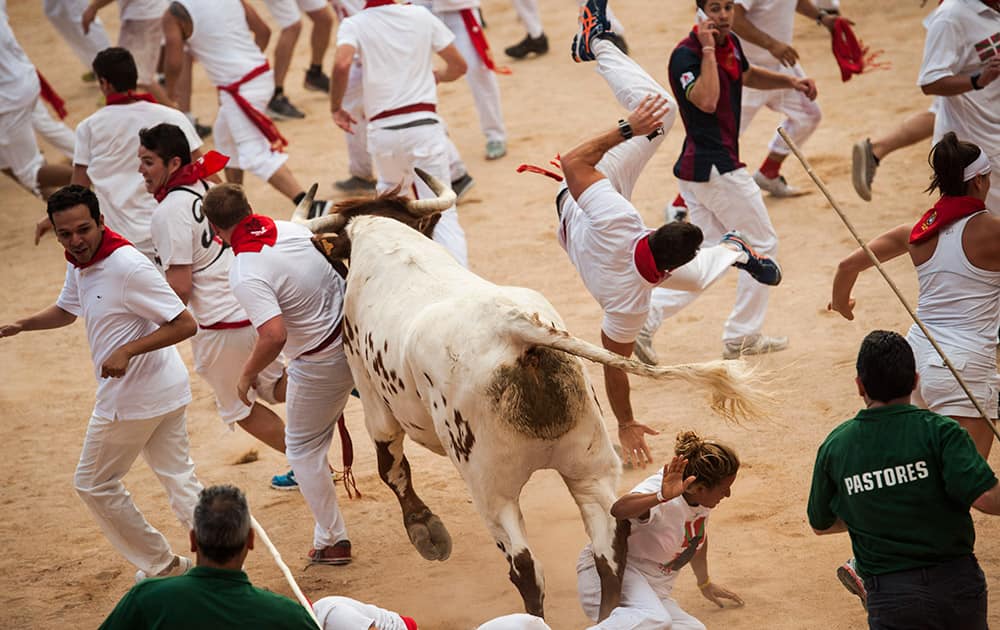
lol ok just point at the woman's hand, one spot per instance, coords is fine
(715, 593)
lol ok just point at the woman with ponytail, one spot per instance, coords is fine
(955, 248)
(667, 515)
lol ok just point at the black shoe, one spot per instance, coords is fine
(462, 185)
(355, 184)
(317, 81)
(538, 45)
(203, 131)
(280, 108)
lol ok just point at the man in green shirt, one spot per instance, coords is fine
(216, 593)
(900, 480)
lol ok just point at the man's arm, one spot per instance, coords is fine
(960, 84)
(631, 434)
(746, 29)
(271, 337)
(177, 28)
(261, 31)
(455, 65)
(838, 527)
(704, 92)
(762, 79)
(46, 319)
(90, 13)
(989, 501)
(886, 246)
(176, 330)
(343, 58)
(811, 11)
(179, 277)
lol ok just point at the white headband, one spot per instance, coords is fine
(979, 166)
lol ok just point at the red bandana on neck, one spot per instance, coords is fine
(725, 56)
(209, 164)
(124, 98)
(110, 241)
(945, 212)
(379, 3)
(253, 233)
(646, 264)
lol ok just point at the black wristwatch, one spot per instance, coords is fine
(625, 129)
(822, 14)
(975, 81)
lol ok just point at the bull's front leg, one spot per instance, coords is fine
(426, 531)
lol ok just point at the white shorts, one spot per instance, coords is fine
(287, 12)
(939, 388)
(142, 38)
(236, 135)
(219, 356)
(18, 148)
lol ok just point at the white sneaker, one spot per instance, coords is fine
(182, 566)
(643, 347)
(776, 186)
(753, 344)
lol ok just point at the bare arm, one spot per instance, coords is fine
(271, 337)
(704, 92)
(342, 61)
(261, 31)
(960, 84)
(763, 79)
(638, 504)
(179, 279)
(811, 11)
(176, 28)
(90, 13)
(455, 65)
(779, 50)
(176, 330)
(631, 434)
(838, 527)
(46, 319)
(713, 592)
(80, 176)
(886, 246)
(989, 501)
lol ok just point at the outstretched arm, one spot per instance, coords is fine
(638, 504)
(763, 79)
(342, 60)
(886, 246)
(631, 434)
(713, 592)
(48, 318)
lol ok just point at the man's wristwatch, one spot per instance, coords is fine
(975, 81)
(625, 129)
(820, 15)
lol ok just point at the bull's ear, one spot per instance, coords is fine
(335, 247)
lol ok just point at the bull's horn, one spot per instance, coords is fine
(327, 223)
(301, 214)
(444, 200)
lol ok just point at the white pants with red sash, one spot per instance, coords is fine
(482, 81)
(238, 137)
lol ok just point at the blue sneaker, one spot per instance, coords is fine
(763, 269)
(593, 24)
(285, 481)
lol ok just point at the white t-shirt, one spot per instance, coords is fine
(962, 35)
(121, 299)
(347, 8)
(600, 233)
(663, 544)
(774, 17)
(221, 39)
(19, 85)
(107, 143)
(294, 280)
(396, 45)
(141, 9)
(183, 236)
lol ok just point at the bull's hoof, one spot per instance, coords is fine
(430, 537)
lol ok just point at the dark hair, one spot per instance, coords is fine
(221, 523)
(167, 141)
(700, 3)
(116, 66)
(948, 158)
(71, 196)
(675, 244)
(886, 366)
(225, 205)
(709, 461)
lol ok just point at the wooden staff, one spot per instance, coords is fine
(263, 537)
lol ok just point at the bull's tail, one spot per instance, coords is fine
(737, 393)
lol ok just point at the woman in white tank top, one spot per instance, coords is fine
(955, 248)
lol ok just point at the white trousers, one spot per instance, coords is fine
(219, 357)
(343, 613)
(318, 388)
(65, 16)
(359, 161)
(482, 81)
(396, 152)
(235, 135)
(109, 449)
(802, 115)
(527, 12)
(54, 131)
(19, 150)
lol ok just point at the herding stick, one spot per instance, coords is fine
(262, 535)
(892, 285)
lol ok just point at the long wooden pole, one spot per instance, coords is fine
(264, 538)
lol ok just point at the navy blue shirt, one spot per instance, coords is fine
(712, 139)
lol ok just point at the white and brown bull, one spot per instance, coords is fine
(486, 375)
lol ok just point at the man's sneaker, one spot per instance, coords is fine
(183, 564)
(317, 81)
(537, 45)
(337, 554)
(88, 77)
(753, 344)
(643, 347)
(287, 481)
(203, 131)
(776, 186)
(495, 149)
(863, 165)
(355, 184)
(763, 269)
(593, 24)
(847, 573)
(462, 186)
(280, 108)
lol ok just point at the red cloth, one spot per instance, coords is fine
(110, 241)
(410, 623)
(49, 96)
(124, 98)
(946, 211)
(852, 55)
(725, 56)
(379, 3)
(478, 38)
(347, 451)
(253, 233)
(207, 165)
(262, 122)
(646, 264)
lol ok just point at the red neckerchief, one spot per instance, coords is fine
(379, 3)
(646, 264)
(207, 165)
(851, 54)
(725, 56)
(945, 212)
(253, 233)
(110, 241)
(49, 96)
(124, 98)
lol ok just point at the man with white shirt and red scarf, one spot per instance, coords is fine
(396, 44)
(294, 299)
(196, 264)
(133, 319)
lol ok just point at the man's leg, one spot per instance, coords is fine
(168, 454)
(802, 118)
(867, 154)
(20, 154)
(289, 21)
(321, 14)
(142, 38)
(54, 131)
(65, 16)
(535, 41)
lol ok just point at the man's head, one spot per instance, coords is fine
(225, 206)
(886, 368)
(675, 244)
(720, 12)
(115, 70)
(162, 150)
(76, 218)
(222, 535)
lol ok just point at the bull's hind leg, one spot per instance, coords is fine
(426, 531)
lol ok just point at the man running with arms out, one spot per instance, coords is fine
(133, 319)
(295, 300)
(619, 259)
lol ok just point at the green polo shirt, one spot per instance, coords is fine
(206, 599)
(903, 480)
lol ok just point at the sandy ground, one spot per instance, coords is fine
(57, 570)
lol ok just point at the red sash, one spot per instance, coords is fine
(946, 211)
(725, 56)
(110, 241)
(478, 38)
(646, 264)
(253, 233)
(209, 164)
(381, 3)
(124, 98)
(49, 96)
(262, 122)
